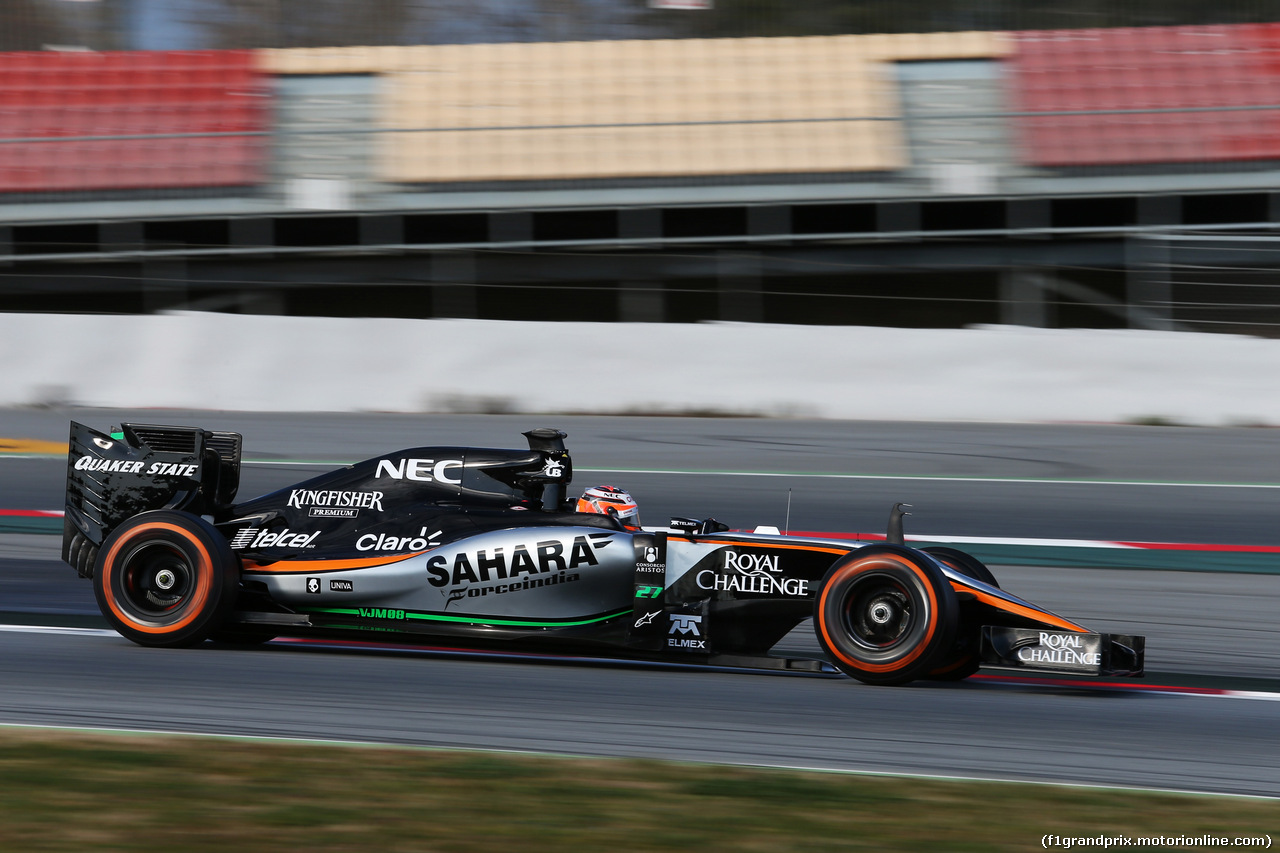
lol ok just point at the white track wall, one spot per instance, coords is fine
(268, 363)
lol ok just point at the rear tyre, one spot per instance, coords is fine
(166, 578)
(883, 617)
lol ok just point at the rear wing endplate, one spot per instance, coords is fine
(114, 476)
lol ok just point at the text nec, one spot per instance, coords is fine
(422, 470)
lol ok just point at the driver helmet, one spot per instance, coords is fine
(610, 500)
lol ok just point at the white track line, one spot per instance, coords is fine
(934, 479)
(926, 478)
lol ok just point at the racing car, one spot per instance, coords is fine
(483, 548)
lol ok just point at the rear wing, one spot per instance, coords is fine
(114, 476)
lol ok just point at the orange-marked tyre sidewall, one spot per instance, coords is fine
(205, 564)
(191, 608)
(826, 601)
(931, 625)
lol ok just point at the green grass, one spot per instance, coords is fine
(79, 791)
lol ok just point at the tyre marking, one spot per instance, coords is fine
(856, 568)
(199, 597)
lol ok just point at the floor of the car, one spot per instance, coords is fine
(800, 643)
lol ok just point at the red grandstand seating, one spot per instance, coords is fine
(69, 96)
(1148, 95)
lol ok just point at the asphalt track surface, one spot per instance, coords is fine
(1099, 482)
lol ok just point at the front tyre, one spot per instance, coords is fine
(963, 659)
(165, 578)
(965, 564)
(884, 617)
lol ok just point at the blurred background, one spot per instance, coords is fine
(345, 206)
(933, 163)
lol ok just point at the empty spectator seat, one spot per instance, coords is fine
(1147, 95)
(64, 107)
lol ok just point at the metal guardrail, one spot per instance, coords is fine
(1206, 280)
(647, 124)
(1154, 231)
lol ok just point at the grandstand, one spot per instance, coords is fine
(915, 179)
(142, 120)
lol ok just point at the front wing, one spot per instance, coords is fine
(1069, 653)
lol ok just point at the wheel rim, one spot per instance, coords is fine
(877, 613)
(156, 579)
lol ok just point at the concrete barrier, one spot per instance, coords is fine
(268, 363)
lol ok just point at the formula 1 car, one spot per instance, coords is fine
(479, 548)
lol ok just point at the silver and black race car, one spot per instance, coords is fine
(480, 548)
